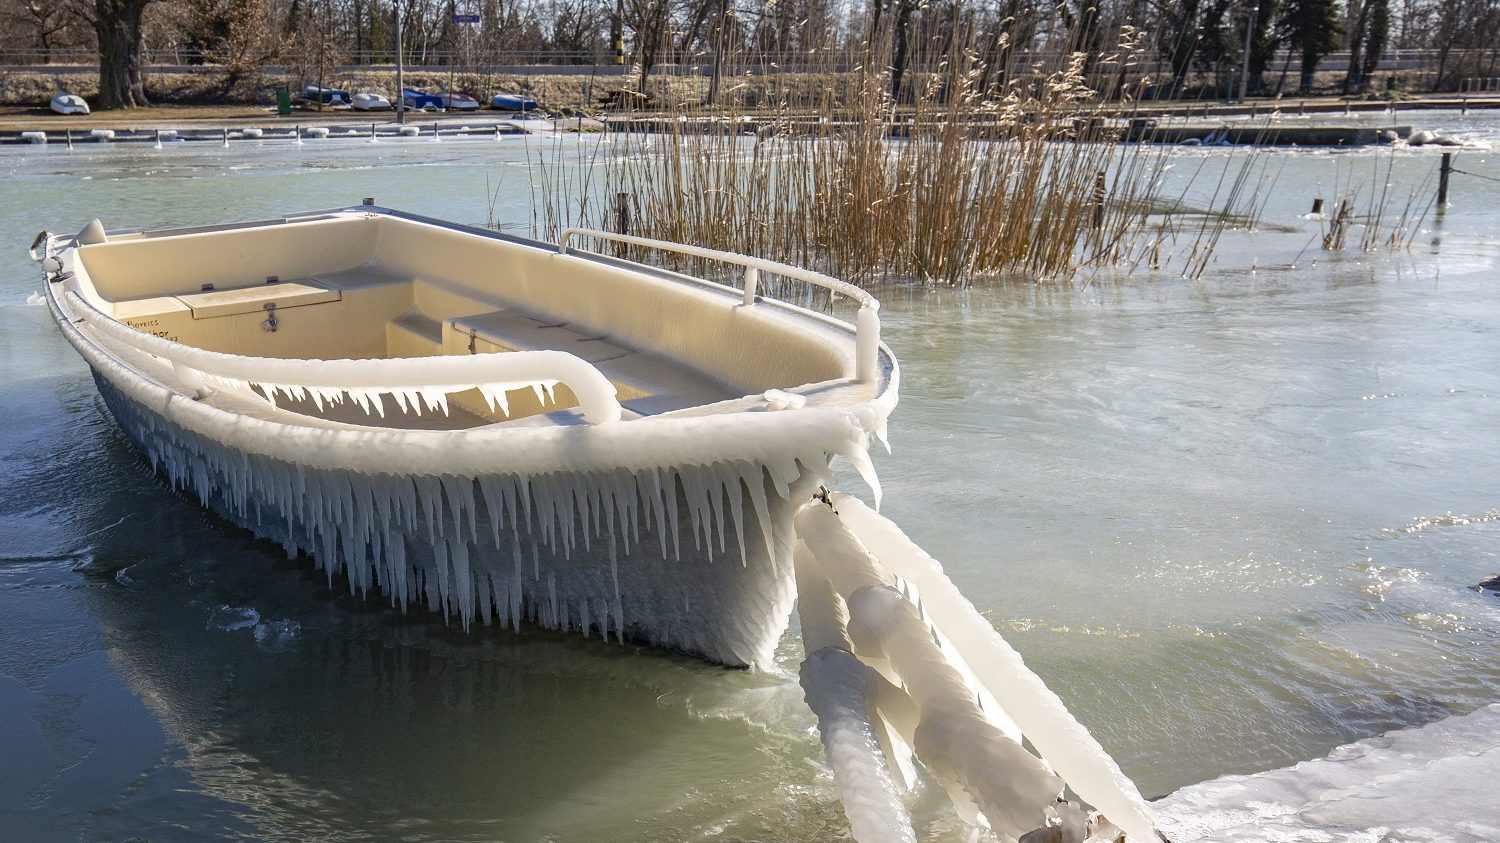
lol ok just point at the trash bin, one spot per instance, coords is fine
(283, 100)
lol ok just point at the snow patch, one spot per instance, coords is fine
(1434, 783)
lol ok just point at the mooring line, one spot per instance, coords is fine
(1475, 175)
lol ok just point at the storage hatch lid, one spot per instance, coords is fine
(214, 303)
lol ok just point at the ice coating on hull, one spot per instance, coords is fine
(694, 558)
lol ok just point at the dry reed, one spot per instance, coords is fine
(961, 178)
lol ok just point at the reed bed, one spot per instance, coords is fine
(957, 178)
(1389, 221)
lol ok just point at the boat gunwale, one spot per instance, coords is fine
(539, 245)
(838, 428)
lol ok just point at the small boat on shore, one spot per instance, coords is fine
(66, 103)
(498, 428)
(513, 102)
(370, 102)
(420, 100)
(455, 101)
(316, 96)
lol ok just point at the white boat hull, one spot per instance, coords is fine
(634, 566)
(670, 527)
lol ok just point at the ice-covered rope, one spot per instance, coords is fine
(966, 699)
(412, 381)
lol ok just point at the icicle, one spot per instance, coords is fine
(440, 564)
(462, 584)
(737, 512)
(756, 484)
(490, 491)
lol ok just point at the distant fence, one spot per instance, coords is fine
(476, 60)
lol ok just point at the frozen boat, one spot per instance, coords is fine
(66, 103)
(498, 428)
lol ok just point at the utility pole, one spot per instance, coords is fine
(400, 67)
(719, 42)
(1245, 59)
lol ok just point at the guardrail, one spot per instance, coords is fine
(427, 378)
(867, 324)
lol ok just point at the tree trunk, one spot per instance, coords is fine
(1354, 82)
(1310, 61)
(900, 50)
(118, 25)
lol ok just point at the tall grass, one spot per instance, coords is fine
(960, 175)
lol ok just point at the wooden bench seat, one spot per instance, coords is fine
(647, 383)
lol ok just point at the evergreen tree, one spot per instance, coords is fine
(1311, 27)
(1376, 36)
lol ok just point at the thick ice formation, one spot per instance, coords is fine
(845, 695)
(974, 760)
(687, 557)
(672, 530)
(1020, 693)
(920, 635)
(414, 382)
(1435, 783)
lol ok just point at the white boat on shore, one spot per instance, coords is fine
(502, 429)
(66, 103)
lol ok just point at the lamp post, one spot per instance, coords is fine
(1245, 59)
(400, 68)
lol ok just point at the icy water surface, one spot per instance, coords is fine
(1233, 522)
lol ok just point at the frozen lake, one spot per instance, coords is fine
(1234, 523)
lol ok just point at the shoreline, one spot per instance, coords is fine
(236, 122)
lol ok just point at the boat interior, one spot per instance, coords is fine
(375, 284)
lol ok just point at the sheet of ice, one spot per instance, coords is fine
(1434, 783)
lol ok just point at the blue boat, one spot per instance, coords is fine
(325, 96)
(513, 102)
(421, 100)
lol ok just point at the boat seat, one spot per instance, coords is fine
(647, 383)
(211, 304)
(513, 330)
(414, 334)
(360, 278)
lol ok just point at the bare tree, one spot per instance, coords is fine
(117, 25)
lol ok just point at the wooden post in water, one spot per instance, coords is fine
(1445, 169)
(622, 220)
(1099, 194)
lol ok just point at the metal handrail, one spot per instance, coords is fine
(451, 373)
(867, 324)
